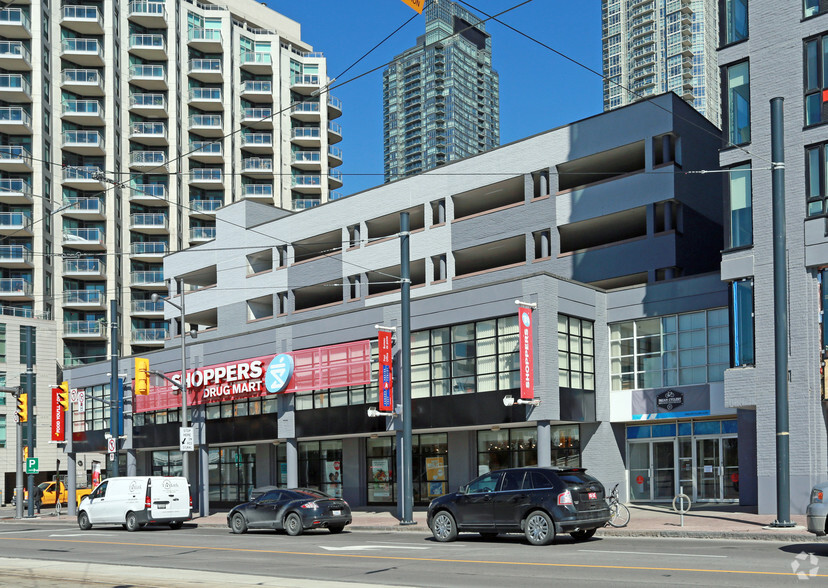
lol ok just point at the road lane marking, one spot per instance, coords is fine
(414, 559)
(370, 547)
(27, 531)
(648, 553)
(84, 535)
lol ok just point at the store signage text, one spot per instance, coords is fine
(527, 374)
(386, 400)
(225, 380)
(58, 416)
(670, 399)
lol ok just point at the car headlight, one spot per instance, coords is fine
(816, 495)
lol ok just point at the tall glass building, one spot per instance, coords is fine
(440, 98)
(656, 46)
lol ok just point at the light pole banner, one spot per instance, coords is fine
(386, 396)
(58, 416)
(527, 372)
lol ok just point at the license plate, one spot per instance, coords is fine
(160, 506)
(336, 513)
(593, 496)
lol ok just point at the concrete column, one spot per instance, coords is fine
(131, 463)
(292, 459)
(544, 444)
(544, 183)
(545, 247)
(668, 216)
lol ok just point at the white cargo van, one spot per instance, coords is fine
(137, 501)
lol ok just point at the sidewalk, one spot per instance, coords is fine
(720, 521)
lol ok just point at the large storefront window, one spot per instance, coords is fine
(576, 355)
(429, 468)
(380, 453)
(232, 473)
(167, 463)
(741, 308)
(671, 350)
(320, 466)
(512, 448)
(740, 229)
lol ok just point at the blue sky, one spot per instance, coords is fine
(539, 90)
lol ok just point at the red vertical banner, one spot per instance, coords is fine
(386, 382)
(58, 416)
(527, 371)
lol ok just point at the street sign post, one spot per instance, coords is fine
(186, 439)
(112, 445)
(32, 466)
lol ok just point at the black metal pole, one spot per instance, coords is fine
(71, 466)
(780, 314)
(30, 425)
(113, 382)
(18, 484)
(405, 371)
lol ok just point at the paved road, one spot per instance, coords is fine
(193, 557)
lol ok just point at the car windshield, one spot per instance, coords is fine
(43, 485)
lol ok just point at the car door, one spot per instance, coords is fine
(261, 514)
(475, 506)
(98, 507)
(511, 500)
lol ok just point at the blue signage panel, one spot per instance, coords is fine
(279, 373)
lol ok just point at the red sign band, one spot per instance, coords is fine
(386, 380)
(527, 371)
(58, 417)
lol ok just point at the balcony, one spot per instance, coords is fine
(82, 51)
(256, 62)
(15, 24)
(206, 151)
(15, 288)
(148, 336)
(257, 142)
(334, 107)
(205, 209)
(88, 269)
(305, 84)
(148, 194)
(257, 166)
(305, 203)
(83, 112)
(206, 177)
(148, 46)
(86, 208)
(14, 120)
(147, 104)
(15, 223)
(14, 158)
(85, 177)
(306, 136)
(16, 256)
(149, 77)
(84, 329)
(307, 184)
(149, 223)
(257, 118)
(86, 82)
(257, 91)
(84, 142)
(155, 161)
(206, 125)
(86, 20)
(147, 308)
(15, 56)
(334, 179)
(306, 111)
(334, 156)
(205, 70)
(15, 88)
(85, 238)
(311, 160)
(258, 192)
(153, 279)
(152, 15)
(334, 133)
(206, 98)
(149, 133)
(202, 234)
(84, 299)
(205, 40)
(149, 251)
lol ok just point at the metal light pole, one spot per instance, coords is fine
(113, 384)
(30, 425)
(405, 372)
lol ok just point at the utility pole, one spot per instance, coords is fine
(113, 382)
(15, 392)
(71, 471)
(30, 425)
(407, 471)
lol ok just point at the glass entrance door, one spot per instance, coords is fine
(664, 470)
(730, 465)
(640, 471)
(717, 469)
(653, 470)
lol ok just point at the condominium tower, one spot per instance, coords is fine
(440, 98)
(125, 126)
(656, 46)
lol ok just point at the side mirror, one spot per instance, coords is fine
(463, 489)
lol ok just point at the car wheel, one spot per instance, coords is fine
(238, 524)
(293, 524)
(488, 535)
(132, 523)
(582, 534)
(539, 528)
(336, 528)
(176, 524)
(443, 527)
(83, 521)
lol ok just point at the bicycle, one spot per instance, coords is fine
(619, 514)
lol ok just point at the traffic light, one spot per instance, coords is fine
(63, 395)
(142, 384)
(22, 408)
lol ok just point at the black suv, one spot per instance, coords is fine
(539, 502)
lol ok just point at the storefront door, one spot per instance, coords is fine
(717, 469)
(653, 470)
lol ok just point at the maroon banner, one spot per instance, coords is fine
(386, 391)
(527, 372)
(58, 416)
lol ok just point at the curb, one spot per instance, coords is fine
(729, 535)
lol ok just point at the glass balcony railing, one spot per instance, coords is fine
(14, 153)
(257, 139)
(84, 266)
(15, 220)
(149, 191)
(335, 128)
(203, 206)
(257, 164)
(81, 12)
(335, 174)
(211, 35)
(82, 76)
(307, 157)
(149, 220)
(15, 286)
(147, 42)
(305, 108)
(257, 114)
(304, 203)
(205, 148)
(147, 306)
(304, 133)
(147, 158)
(15, 114)
(202, 233)
(15, 82)
(82, 45)
(204, 174)
(147, 277)
(84, 205)
(90, 297)
(15, 253)
(15, 49)
(83, 172)
(258, 190)
(147, 9)
(90, 107)
(307, 181)
(15, 186)
(147, 72)
(149, 248)
(82, 138)
(205, 94)
(205, 120)
(335, 152)
(15, 16)
(79, 328)
(149, 335)
(304, 80)
(205, 66)
(153, 129)
(83, 234)
(257, 87)
(334, 102)
(148, 101)
(256, 57)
